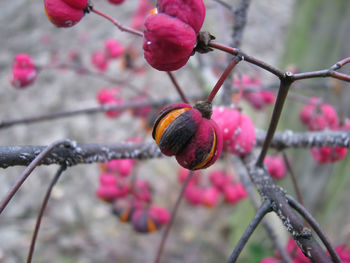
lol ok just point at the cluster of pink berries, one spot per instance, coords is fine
(171, 33)
(131, 199)
(259, 98)
(110, 96)
(101, 58)
(298, 257)
(237, 130)
(23, 71)
(319, 116)
(209, 196)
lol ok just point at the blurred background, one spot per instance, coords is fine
(77, 226)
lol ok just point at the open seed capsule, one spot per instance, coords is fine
(188, 133)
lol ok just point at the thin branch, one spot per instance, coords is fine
(118, 24)
(294, 178)
(223, 77)
(250, 59)
(82, 153)
(312, 221)
(41, 212)
(277, 110)
(262, 211)
(172, 218)
(249, 187)
(89, 110)
(240, 20)
(289, 139)
(177, 87)
(34, 163)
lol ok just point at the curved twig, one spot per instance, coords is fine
(34, 163)
(41, 212)
(262, 211)
(172, 218)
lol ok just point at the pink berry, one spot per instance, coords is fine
(113, 48)
(78, 4)
(234, 192)
(99, 60)
(210, 196)
(159, 214)
(190, 12)
(142, 191)
(244, 137)
(107, 179)
(219, 179)
(193, 194)
(62, 14)
(168, 42)
(275, 166)
(23, 71)
(109, 96)
(227, 120)
(269, 260)
(122, 167)
(116, 2)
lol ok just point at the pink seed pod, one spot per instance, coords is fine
(210, 196)
(113, 49)
(109, 96)
(168, 42)
(142, 191)
(107, 179)
(227, 120)
(116, 2)
(142, 222)
(159, 214)
(328, 154)
(275, 166)
(111, 192)
(78, 4)
(190, 12)
(62, 14)
(234, 192)
(219, 179)
(268, 96)
(244, 138)
(122, 167)
(23, 71)
(193, 194)
(189, 134)
(255, 99)
(344, 253)
(99, 60)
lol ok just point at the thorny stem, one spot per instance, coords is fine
(250, 59)
(118, 24)
(34, 163)
(294, 178)
(177, 87)
(314, 224)
(277, 110)
(263, 210)
(41, 212)
(222, 78)
(172, 218)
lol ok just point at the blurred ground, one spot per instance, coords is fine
(77, 227)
